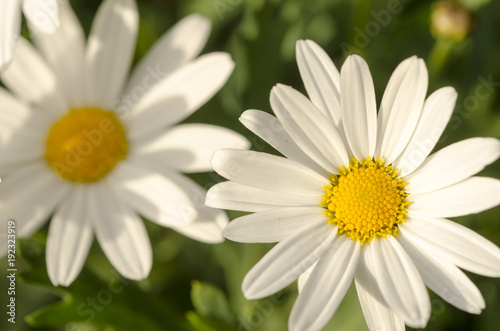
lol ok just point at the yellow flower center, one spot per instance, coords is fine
(366, 200)
(85, 145)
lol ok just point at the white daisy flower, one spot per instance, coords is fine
(41, 14)
(340, 208)
(79, 142)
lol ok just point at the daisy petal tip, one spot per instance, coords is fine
(418, 324)
(137, 271)
(299, 44)
(448, 92)
(481, 306)
(67, 281)
(204, 22)
(217, 240)
(353, 64)
(276, 94)
(249, 290)
(229, 233)
(209, 196)
(250, 295)
(247, 116)
(415, 60)
(57, 280)
(53, 279)
(226, 60)
(476, 310)
(222, 61)
(304, 45)
(353, 58)
(418, 320)
(138, 274)
(311, 43)
(496, 143)
(218, 159)
(244, 144)
(135, 276)
(350, 58)
(128, 8)
(279, 87)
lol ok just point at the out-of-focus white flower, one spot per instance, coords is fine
(79, 142)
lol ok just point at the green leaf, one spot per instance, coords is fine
(474, 4)
(204, 323)
(111, 301)
(210, 301)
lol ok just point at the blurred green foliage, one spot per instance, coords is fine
(195, 286)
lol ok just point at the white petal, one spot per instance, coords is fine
(302, 280)
(272, 225)
(69, 239)
(286, 261)
(64, 50)
(188, 147)
(321, 78)
(234, 196)
(470, 196)
(378, 317)
(43, 14)
(207, 224)
(22, 133)
(182, 43)
(19, 154)
(32, 79)
(377, 314)
(399, 281)
(269, 172)
(18, 120)
(153, 195)
(391, 95)
(401, 108)
(180, 94)
(453, 164)
(326, 287)
(269, 129)
(187, 204)
(445, 279)
(10, 26)
(452, 242)
(311, 130)
(21, 178)
(435, 116)
(207, 227)
(121, 234)
(29, 195)
(359, 109)
(109, 52)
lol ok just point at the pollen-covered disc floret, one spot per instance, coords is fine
(85, 145)
(366, 200)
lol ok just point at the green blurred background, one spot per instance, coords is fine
(195, 286)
